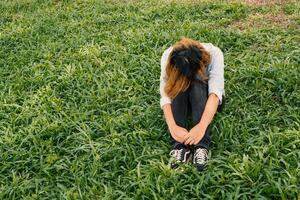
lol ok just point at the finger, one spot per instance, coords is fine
(194, 142)
(191, 142)
(186, 136)
(188, 141)
(184, 139)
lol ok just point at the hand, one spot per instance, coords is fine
(178, 133)
(194, 136)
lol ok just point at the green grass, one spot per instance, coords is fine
(80, 115)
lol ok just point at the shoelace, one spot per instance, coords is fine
(176, 153)
(200, 156)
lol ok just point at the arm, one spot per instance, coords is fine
(177, 132)
(169, 115)
(215, 90)
(209, 111)
(198, 131)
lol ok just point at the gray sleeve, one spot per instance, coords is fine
(164, 99)
(216, 73)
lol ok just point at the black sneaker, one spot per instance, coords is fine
(179, 155)
(200, 158)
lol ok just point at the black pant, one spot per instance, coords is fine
(192, 102)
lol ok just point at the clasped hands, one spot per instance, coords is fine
(191, 137)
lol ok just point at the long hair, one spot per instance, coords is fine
(188, 59)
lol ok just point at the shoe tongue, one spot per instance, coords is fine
(179, 146)
(199, 148)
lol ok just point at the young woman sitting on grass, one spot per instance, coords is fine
(191, 83)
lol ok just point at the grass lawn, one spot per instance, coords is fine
(79, 93)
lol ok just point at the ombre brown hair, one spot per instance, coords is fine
(177, 80)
